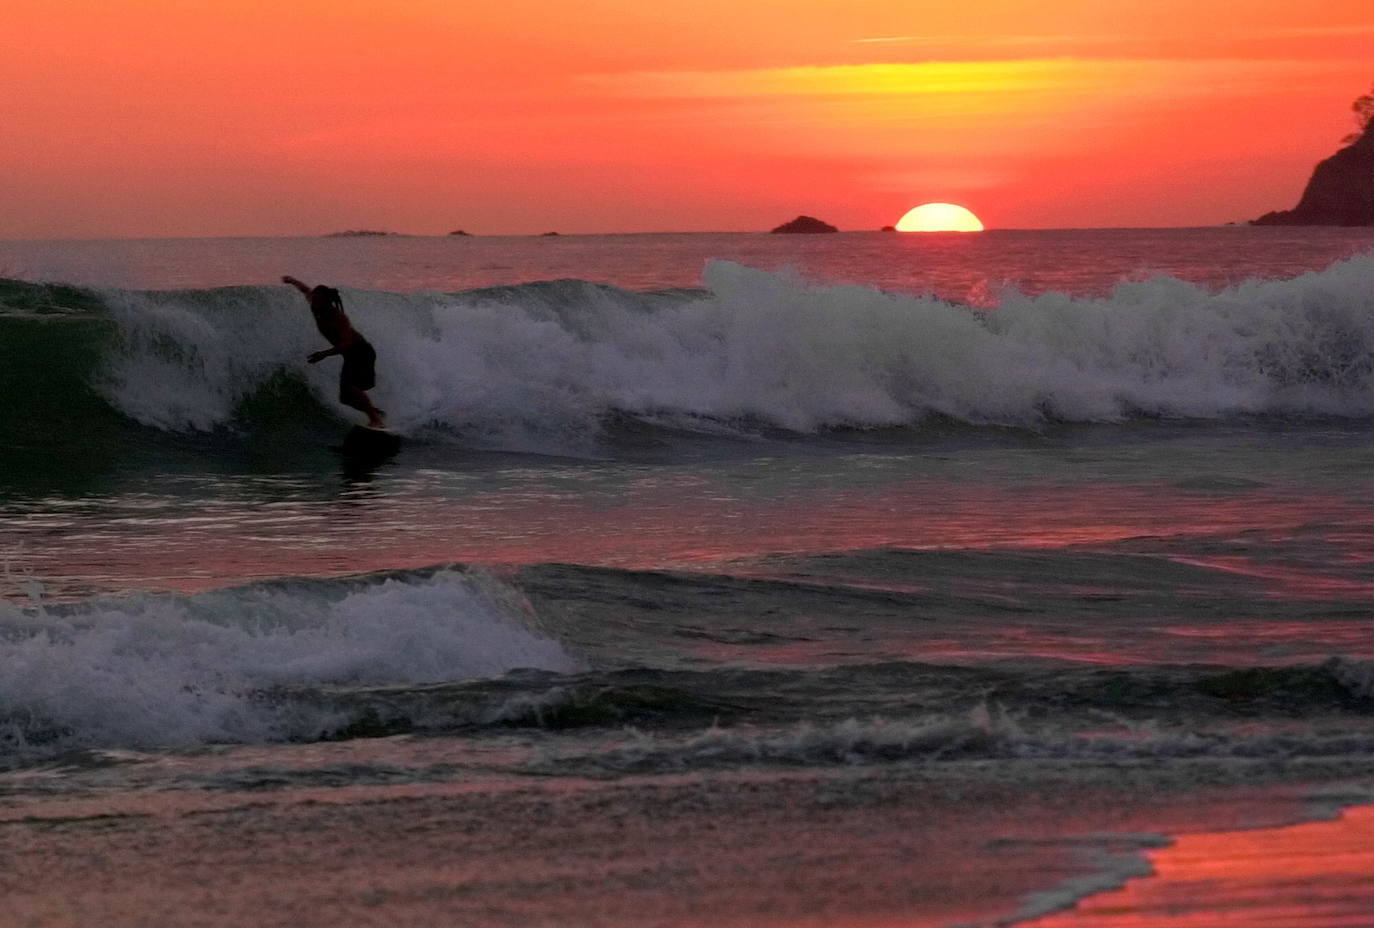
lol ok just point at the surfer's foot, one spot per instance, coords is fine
(376, 419)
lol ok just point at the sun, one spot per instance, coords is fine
(939, 217)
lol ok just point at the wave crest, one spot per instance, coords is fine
(557, 360)
(153, 671)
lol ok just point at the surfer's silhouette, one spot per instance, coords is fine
(359, 373)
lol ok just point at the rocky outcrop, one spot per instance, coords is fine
(1340, 192)
(805, 224)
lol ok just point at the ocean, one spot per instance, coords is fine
(864, 579)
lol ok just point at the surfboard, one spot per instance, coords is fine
(374, 444)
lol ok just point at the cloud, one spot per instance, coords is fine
(1310, 32)
(955, 178)
(946, 79)
(1088, 40)
(980, 113)
(997, 41)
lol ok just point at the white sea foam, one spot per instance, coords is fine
(148, 671)
(187, 358)
(978, 734)
(555, 359)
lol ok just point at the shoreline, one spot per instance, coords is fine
(1315, 873)
(263, 836)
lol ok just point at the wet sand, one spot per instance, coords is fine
(916, 846)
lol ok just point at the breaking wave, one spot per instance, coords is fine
(445, 650)
(980, 734)
(556, 361)
(166, 670)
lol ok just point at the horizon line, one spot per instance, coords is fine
(555, 234)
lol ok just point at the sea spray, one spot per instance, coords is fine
(551, 364)
(186, 360)
(166, 670)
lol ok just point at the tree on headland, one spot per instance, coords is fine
(1340, 191)
(1363, 108)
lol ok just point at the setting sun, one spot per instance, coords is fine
(939, 217)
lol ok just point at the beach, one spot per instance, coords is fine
(720, 579)
(323, 835)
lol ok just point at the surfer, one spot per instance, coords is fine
(359, 373)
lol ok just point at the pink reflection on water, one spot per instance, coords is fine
(1352, 638)
(957, 643)
(687, 521)
(1288, 582)
(1318, 875)
(655, 524)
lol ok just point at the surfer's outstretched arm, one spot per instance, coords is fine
(296, 283)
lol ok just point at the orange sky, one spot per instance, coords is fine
(280, 117)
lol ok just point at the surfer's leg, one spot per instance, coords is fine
(356, 377)
(358, 399)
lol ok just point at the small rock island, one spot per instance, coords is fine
(804, 224)
(1341, 189)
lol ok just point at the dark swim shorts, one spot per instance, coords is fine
(359, 366)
